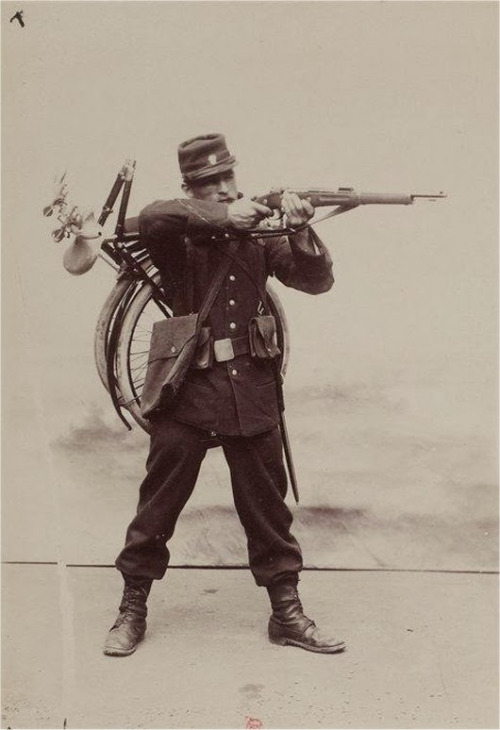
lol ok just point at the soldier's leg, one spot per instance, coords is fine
(173, 464)
(175, 456)
(259, 486)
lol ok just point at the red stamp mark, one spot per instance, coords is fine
(252, 722)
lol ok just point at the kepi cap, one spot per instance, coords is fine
(204, 156)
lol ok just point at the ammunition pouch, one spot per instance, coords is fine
(262, 337)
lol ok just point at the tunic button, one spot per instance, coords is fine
(172, 349)
(232, 302)
(234, 372)
(232, 326)
(232, 277)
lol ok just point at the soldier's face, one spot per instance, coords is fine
(220, 188)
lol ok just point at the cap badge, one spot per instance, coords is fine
(212, 159)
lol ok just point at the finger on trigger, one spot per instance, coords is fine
(295, 203)
(308, 206)
(285, 204)
(262, 209)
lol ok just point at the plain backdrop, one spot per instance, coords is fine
(393, 376)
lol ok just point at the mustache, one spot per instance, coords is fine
(229, 198)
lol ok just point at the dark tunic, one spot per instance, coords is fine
(237, 397)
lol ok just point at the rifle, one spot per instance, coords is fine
(343, 200)
(346, 197)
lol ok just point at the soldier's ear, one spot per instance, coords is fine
(187, 190)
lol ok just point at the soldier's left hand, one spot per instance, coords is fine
(297, 210)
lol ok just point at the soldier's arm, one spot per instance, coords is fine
(168, 219)
(189, 216)
(164, 224)
(300, 261)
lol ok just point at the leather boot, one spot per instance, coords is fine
(130, 625)
(288, 625)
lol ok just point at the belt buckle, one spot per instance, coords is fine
(223, 350)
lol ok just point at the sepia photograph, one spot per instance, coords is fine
(250, 364)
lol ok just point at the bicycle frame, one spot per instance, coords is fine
(120, 249)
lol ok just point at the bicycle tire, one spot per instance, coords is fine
(110, 320)
(103, 328)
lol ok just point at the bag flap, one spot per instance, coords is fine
(170, 335)
(266, 325)
(262, 334)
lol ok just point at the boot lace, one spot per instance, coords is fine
(133, 603)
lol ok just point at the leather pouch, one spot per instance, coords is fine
(174, 342)
(172, 351)
(262, 337)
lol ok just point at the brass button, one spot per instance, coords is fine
(234, 372)
(232, 277)
(172, 349)
(232, 326)
(232, 302)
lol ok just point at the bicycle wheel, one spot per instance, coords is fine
(108, 319)
(133, 345)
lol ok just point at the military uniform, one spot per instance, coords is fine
(230, 397)
(235, 400)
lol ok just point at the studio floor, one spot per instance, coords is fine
(422, 652)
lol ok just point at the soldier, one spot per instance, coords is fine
(229, 394)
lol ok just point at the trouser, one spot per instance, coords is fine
(259, 486)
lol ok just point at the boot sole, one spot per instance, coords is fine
(121, 652)
(282, 641)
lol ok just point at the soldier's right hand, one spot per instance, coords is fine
(245, 214)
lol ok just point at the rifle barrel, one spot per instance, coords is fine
(431, 196)
(347, 197)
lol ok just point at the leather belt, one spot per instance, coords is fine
(229, 347)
